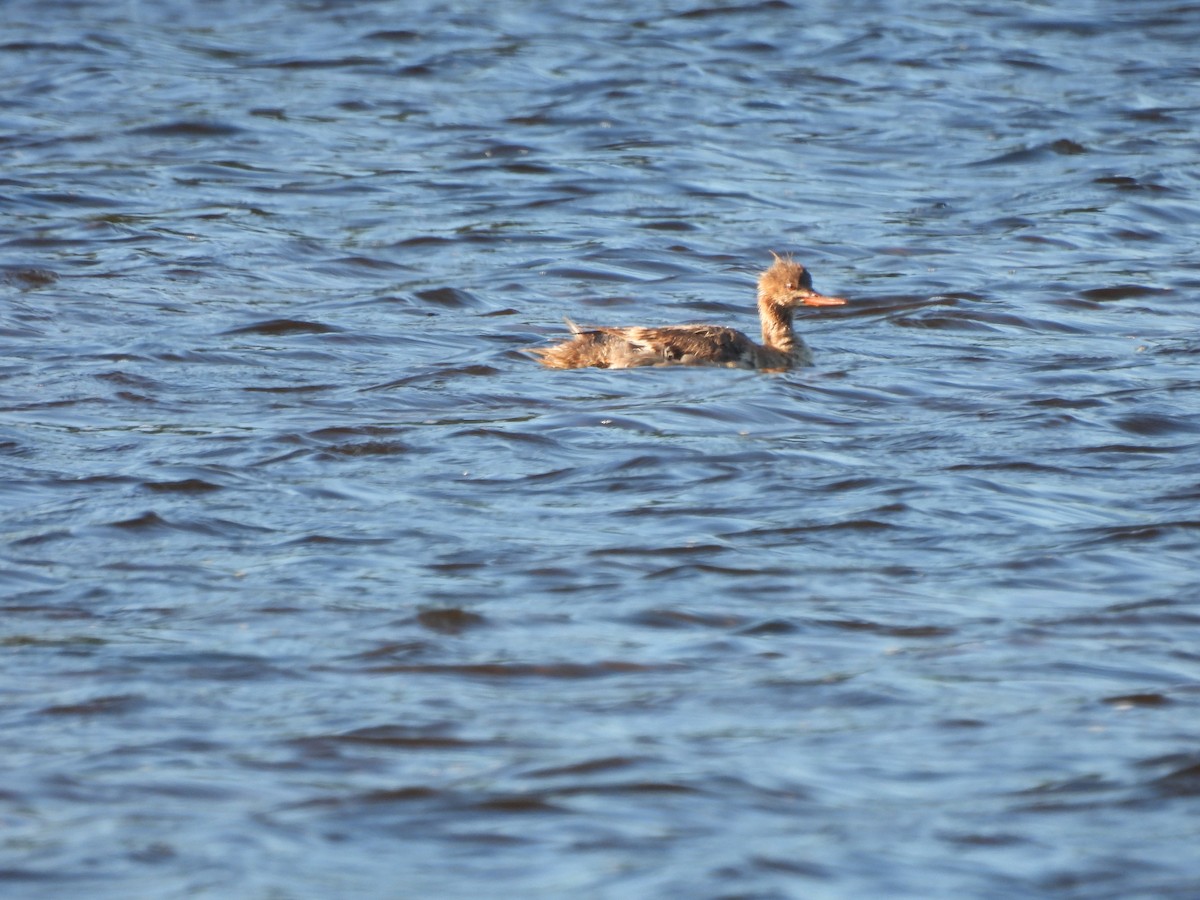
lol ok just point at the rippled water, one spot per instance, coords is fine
(314, 585)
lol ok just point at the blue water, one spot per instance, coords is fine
(313, 585)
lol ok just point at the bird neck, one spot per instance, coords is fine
(777, 330)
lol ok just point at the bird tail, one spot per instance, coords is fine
(582, 349)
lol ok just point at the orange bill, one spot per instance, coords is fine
(822, 300)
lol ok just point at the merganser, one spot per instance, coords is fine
(781, 288)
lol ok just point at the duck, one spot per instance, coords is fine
(782, 288)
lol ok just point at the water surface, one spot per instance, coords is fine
(314, 585)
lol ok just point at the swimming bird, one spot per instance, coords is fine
(782, 288)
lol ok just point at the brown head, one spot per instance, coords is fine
(787, 285)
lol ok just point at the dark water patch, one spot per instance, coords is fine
(1010, 466)
(392, 737)
(1061, 147)
(99, 706)
(677, 618)
(150, 522)
(904, 631)
(458, 563)
(450, 621)
(770, 627)
(200, 357)
(519, 803)
(337, 62)
(284, 327)
(1191, 492)
(50, 612)
(71, 199)
(955, 321)
(734, 9)
(633, 787)
(1139, 532)
(73, 642)
(375, 803)
(394, 35)
(216, 666)
(1128, 183)
(1152, 425)
(690, 550)
(1043, 240)
(591, 275)
(1131, 701)
(417, 70)
(359, 266)
(183, 486)
(425, 240)
(1139, 614)
(524, 671)
(1122, 292)
(1081, 27)
(508, 437)
(30, 875)
(131, 397)
(668, 225)
(188, 128)
(1181, 781)
(587, 767)
(1119, 451)
(448, 298)
(338, 432)
(147, 521)
(794, 867)
(475, 371)
(1182, 347)
(496, 150)
(398, 650)
(982, 319)
(290, 389)
(788, 533)
(1158, 115)
(47, 47)
(28, 277)
(1067, 147)
(1067, 403)
(705, 568)
(366, 448)
(321, 539)
(1072, 793)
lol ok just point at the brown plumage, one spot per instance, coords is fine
(781, 288)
